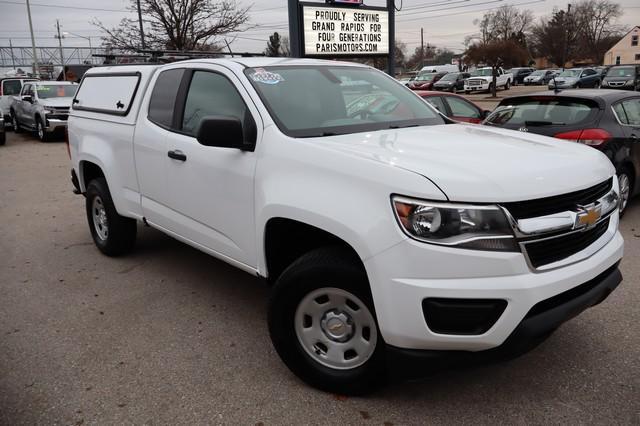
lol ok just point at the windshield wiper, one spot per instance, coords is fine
(542, 123)
(402, 127)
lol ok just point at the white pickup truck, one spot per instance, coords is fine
(386, 231)
(482, 80)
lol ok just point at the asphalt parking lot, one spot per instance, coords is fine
(169, 335)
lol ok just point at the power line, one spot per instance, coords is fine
(55, 6)
(471, 11)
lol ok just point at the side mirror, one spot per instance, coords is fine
(27, 98)
(226, 132)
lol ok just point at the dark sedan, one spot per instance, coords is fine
(452, 82)
(576, 78)
(608, 120)
(519, 74)
(625, 77)
(425, 81)
(455, 106)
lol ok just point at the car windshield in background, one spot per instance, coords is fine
(482, 73)
(543, 112)
(56, 91)
(452, 76)
(538, 72)
(310, 101)
(425, 77)
(570, 73)
(621, 72)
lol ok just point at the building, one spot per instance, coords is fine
(626, 51)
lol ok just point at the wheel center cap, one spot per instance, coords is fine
(337, 325)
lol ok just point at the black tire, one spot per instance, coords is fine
(319, 269)
(121, 231)
(507, 85)
(41, 132)
(625, 172)
(490, 88)
(15, 123)
(3, 138)
(577, 86)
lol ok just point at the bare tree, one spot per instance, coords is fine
(556, 38)
(505, 23)
(598, 32)
(274, 45)
(177, 24)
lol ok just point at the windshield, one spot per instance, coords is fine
(452, 76)
(483, 72)
(425, 77)
(536, 111)
(309, 101)
(621, 72)
(539, 72)
(570, 73)
(56, 91)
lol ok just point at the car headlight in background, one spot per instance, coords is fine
(478, 227)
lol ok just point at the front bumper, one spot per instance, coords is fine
(409, 272)
(54, 124)
(471, 88)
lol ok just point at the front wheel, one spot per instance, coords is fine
(507, 86)
(113, 234)
(15, 123)
(41, 132)
(322, 323)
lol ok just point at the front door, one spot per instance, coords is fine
(211, 188)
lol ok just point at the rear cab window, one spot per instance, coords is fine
(163, 97)
(111, 93)
(541, 111)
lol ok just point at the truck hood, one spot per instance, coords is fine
(473, 163)
(56, 102)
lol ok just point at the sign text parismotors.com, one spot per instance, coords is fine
(345, 31)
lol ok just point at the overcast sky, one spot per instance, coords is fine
(443, 28)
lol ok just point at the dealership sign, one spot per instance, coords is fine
(345, 31)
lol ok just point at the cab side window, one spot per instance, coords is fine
(211, 94)
(437, 102)
(163, 97)
(26, 90)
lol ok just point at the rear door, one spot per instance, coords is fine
(24, 108)
(628, 115)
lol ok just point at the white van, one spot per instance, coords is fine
(439, 68)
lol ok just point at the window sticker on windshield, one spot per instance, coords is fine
(42, 88)
(263, 76)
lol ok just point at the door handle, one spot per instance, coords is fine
(177, 155)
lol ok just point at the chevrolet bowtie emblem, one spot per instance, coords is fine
(588, 216)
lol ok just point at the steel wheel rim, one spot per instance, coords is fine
(335, 328)
(100, 221)
(624, 184)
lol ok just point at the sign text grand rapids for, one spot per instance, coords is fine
(333, 32)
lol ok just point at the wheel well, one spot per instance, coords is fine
(286, 240)
(89, 171)
(627, 165)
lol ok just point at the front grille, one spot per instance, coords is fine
(557, 203)
(475, 82)
(551, 250)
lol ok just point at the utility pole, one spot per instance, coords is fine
(59, 37)
(391, 61)
(36, 67)
(565, 53)
(144, 46)
(421, 48)
(13, 62)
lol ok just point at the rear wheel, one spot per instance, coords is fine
(507, 86)
(3, 137)
(625, 183)
(113, 234)
(322, 323)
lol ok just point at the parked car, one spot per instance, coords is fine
(482, 79)
(439, 68)
(10, 87)
(625, 77)
(576, 78)
(451, 82)
(519, 74)
(3, 135)
(43, 107)
(382, 234)
(425, 81)
(540, 77)
(608, 120)
(454, 106)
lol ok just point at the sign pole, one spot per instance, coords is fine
(294, 30)
(391, 61)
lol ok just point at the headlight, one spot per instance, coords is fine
(460, 225)
(629, 83)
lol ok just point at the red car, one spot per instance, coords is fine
(455, 107)
(425, 81)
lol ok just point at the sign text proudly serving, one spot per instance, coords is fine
(334, 31)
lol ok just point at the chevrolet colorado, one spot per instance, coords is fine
(386, 231)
